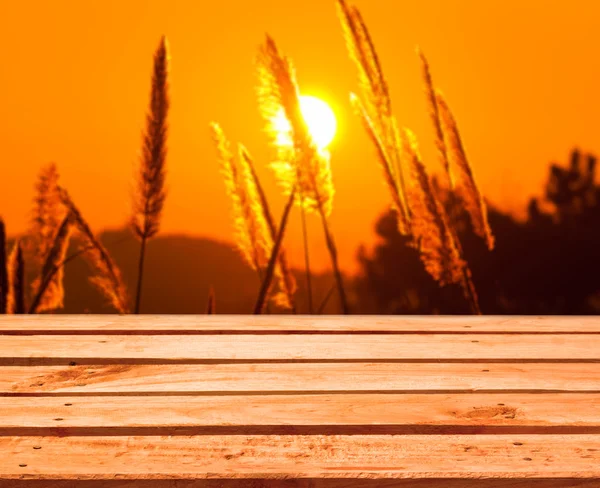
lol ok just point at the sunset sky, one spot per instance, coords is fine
(522, 78)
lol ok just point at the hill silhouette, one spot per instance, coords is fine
(179, 272)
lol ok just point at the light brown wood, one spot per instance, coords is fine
(312, 483)
(548, 411)
(382, 347)
(297, 402)
(297, 456)
(104, 324)
(301, 377)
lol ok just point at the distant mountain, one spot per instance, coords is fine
(178, 273)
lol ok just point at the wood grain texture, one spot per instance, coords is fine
(298, 456)
(305, 377)
(545, 411)
(298, 402)
(381, 347)
(311, 483)
(180, 324)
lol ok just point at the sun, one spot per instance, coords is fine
(319, 118)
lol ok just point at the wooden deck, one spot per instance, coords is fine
(232, 402)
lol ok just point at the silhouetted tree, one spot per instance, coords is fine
(548, 264)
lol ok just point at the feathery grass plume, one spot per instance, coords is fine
(397, 193)
(304, 167)
(107, 276)
(430, 227)
(49, 294)
(211, 307)
(434, 112)
(48, 213)
(464, 180)
(301, 163)
(252, 237)
(150, 192)
(376, 108)
(16, 281)
(438, 244)
(3, 269)
(286, 281)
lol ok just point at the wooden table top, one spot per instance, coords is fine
(246, 401)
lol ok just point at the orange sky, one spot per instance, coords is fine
(522, 78)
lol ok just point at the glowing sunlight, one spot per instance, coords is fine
(319, 117)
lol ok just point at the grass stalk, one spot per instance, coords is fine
(266, 284)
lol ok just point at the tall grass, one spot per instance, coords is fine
(150, 192)
(3, 269)
(301, 165)
(302, 169)
(211, 307)
(47, 242)
(49, 290)
(255, 227)
(106, 274)
(15, 303)
(420, 213)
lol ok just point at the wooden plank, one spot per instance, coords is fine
(179, 324)
(457, 347)
(316, 456)
(408, 413)
(300, 377)
(310, 483)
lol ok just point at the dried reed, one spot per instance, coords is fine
(16, 281)
(211, 307)
(150, 192)
(376, 109)
(266, 284)
(49, 294)
(107, 276)
(47, 224)
(252, 235)
(464, 180)
(397, 193)
(48, 213)
(434, 112)
(302, 164)
(420, 213)
(430, 226)
(287, 283)
(3, 269)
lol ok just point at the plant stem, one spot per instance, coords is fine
(138, 296)
(326, 300)
(306, 257)
(334, 262)
(262, 296)
(44, 285)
